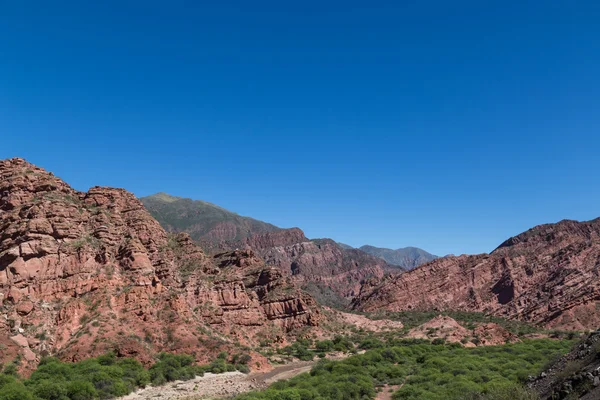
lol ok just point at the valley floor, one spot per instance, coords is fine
(220, 386)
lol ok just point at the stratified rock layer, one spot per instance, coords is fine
(83, 273)
(332, 273)
(547, 275)
(320, 262)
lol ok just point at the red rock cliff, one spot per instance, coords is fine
(83, 273)
(548, 275)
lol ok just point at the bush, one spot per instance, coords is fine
(50, 390)
(324, 345)
(81, 390)
(425, 371)
(104, 377)
(15, 391)
(171, 367)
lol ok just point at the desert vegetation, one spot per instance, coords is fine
(106, 376)
(422, 370)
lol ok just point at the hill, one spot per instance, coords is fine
(83, 273)
(208, 224)
(407, 257)
(330, 271)
(547, 275)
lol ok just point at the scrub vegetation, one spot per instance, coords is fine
(423, 370)
(106, 376)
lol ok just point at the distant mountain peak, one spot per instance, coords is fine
(166, 197)
(407, 257)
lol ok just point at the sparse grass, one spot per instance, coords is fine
(86, 240)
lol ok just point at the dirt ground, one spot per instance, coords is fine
(387, 392)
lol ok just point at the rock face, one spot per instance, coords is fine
(329, 271)
(547, 275)
(576, 375)
(407, 257)
(83, 273)
(334, 275)
(209, 225)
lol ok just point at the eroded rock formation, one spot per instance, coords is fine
(547, 275)
(320, 263)
(83, 273)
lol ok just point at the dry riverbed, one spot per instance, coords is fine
(219, 386)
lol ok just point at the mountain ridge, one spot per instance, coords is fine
(207, 223)
(547, 275)
(406, 257)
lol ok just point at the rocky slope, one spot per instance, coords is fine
(576, 375)
(332, 274)
(547, 275)
(407, 257)
(83, 273)
(208, 224)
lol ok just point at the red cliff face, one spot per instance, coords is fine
(321, 261)
(83, 273)
(547, 275)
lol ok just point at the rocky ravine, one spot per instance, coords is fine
(320, 264)
(547, 275)
(330, 271)
(83, 273)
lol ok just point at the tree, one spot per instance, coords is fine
(15, 391)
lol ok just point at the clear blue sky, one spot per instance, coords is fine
(448, 125)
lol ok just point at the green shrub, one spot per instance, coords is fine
(104, 377)
(324, 345)
(15, 391)
(425, 371)
(81, 390)
(50, 390)
(171, 367)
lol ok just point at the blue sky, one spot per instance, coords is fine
(445, 125)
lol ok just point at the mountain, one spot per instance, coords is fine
(82, 273)
(332, 274)
(330, 271)
(208, 224)
(547, 275)
(407, 257)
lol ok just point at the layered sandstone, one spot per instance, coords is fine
(547, 275)
(321, 261)
(83, 273)
(329, 271)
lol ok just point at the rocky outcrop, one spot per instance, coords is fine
(448, 329)
(440, 327)
(576, 375)
(319, 263)
(492, 334)
(547, 275)
(83, 273)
